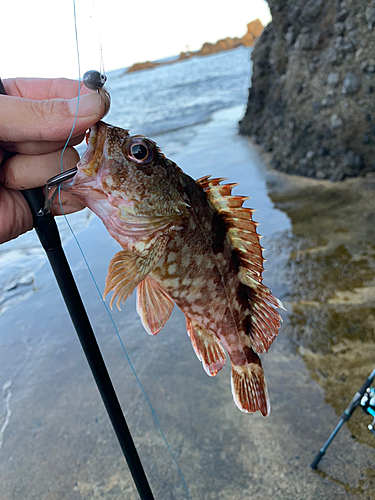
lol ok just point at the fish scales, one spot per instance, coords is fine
(198, 276)
(184, 242)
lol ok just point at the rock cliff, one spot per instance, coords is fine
(311, 102)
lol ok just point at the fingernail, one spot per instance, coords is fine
(89, 104)
(106, 98)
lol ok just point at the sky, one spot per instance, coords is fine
(37, 37)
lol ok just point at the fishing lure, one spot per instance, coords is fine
(94, 80)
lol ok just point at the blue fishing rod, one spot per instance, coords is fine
(48, 234)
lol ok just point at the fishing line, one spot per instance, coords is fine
(96, 285)
(131, 365)
(79, 92)
(97, 30)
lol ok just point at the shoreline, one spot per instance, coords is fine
(283, 178)
(254, 30)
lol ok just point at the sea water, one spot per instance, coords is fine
(179, 95)
(168, 103)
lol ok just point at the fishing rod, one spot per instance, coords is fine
(48, 234)
(365, 397)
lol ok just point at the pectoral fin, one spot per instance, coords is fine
(153, 305)
(126, 270)
(207, 348)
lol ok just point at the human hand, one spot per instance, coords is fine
(36, 118)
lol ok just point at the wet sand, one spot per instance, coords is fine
(56, 440)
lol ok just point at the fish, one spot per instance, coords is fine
(185, 242)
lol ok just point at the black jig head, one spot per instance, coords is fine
(94, 80)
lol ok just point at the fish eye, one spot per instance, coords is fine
(140, 151)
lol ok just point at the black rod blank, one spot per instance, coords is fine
(49, 237)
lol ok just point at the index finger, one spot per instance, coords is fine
(25, 120)
(44, 88)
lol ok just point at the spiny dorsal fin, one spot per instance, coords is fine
(238, 220)
(245, 240)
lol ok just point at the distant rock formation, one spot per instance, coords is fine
(219, 46)
(254, 29)
(143, 65)
(311, 102)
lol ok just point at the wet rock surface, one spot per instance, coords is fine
(313, 88)
(331, 279)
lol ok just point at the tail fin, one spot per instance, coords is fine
(249, 389)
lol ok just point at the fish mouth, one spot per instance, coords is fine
(92, 136)
(85, 167)
(92, 139)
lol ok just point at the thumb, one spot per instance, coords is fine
(23, 120)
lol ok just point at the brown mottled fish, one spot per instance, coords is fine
(185, 242)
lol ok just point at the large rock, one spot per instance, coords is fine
(142, 65)
(219, 46)
(254, 29)
(311, 102)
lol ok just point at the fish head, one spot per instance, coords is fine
(126, 180)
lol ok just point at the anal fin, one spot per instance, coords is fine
(249, 388)
(153, 305)
(207, 347)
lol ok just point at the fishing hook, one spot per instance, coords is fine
(54, 182)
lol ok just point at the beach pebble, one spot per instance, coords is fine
(342, 15)
(312, 9)
(333, 79)
(336, 121)
(366, 139)
(369, 66)
(352, 160)
(351, 84)
(290, 36)
(370, 17)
